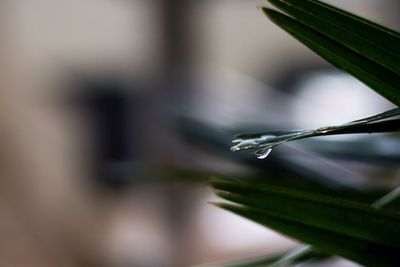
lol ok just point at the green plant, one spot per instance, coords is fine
(332, 221)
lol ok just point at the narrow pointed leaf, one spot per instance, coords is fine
(281, 179)
(373, 32)
(379, 78)
(343, 217)
(374, 124)
(325, 21)
(367, 253)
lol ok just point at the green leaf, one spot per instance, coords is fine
(375, 43)
(379, 78)
(375, 33)
(346, 228)
(350, 229)
(343, 217)
(358, 250)
(295, 254)
(264, 141)
(285, 179)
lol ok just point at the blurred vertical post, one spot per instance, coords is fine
(176, 26)
(176, 64)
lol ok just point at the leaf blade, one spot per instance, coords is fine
(375, 76)
(343, 217)
(321, 20)
(354, 249)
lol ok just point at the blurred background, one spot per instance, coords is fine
(101, 99)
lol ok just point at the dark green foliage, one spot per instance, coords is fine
(340, 221)
(337, 226)
(368, 52)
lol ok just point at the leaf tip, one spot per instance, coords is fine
(216, 204)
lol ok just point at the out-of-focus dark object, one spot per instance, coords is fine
(109, 106)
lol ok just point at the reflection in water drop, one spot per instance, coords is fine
(263, 153)
(243, 144)
(249, 143)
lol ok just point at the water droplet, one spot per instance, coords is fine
(263, 153)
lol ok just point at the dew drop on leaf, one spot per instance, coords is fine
(262, 154)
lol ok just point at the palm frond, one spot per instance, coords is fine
(351, 229)
(374, 42)
(335, 222)
(374, 62)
